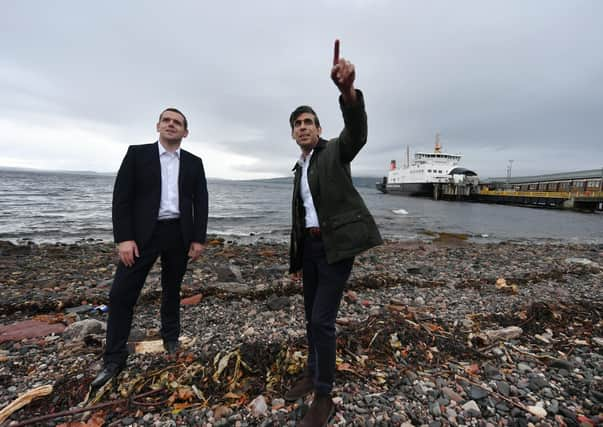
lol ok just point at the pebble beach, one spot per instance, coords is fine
(433, 333)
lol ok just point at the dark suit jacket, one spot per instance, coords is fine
(137, 194)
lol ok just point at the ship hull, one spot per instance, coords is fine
(410, 189)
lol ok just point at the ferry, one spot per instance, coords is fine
(419, 177)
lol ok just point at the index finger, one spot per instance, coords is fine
(336, 52)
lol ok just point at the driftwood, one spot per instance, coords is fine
(493, 335)
(75, 411)
(24, 399)
(154, 346)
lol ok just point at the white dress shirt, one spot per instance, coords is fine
(170, 168)
(306, 195)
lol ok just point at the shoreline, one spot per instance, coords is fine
(413, 334)
(424, 236)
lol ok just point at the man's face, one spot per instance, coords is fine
(305, 132)
(171, 127)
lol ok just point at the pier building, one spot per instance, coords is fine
(575, 190)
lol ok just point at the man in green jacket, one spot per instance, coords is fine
(331, 225)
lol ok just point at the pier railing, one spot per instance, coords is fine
(581, 200)
(590, 195)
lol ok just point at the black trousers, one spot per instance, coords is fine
(323, 289)
(166, 242)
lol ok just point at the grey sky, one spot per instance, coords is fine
(81, 80)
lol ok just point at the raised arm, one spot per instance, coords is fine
(353, 136)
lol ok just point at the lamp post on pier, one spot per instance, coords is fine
(510, 165)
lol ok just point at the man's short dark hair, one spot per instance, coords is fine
(175, 110)
(301, 110)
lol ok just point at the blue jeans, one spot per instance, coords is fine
(323, 289)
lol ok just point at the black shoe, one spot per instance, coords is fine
(108, 372)
(171, 347)
(300, 389)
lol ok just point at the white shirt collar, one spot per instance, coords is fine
(303, 159)
(163, 150)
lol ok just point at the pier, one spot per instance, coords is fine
(580, 190)
(580, 200)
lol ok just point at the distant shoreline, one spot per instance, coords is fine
(365, 181)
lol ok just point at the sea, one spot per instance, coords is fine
(52, 207)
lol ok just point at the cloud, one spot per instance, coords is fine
(80, 81)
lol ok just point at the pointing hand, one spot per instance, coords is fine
(343, 75)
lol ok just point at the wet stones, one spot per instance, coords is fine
(432, 373)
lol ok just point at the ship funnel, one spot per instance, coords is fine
(392, 165)
(438, 146)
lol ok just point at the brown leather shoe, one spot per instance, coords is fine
(321, 410)
(300, 389)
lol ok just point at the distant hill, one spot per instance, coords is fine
(365, 181)
(359, 181)
(47, 171)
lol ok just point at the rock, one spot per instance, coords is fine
(553, 407)
(258, 406)
(562, 364)
(222, 412)
(29, 329)
(467, 323)
(583, 262)
(137, 334)
(275, 270)
(374, 311)
(192, 300)
(503, 388)
(537, 411)
(502, 407)
(351, 297)
(537, 382)
(79, 330)
(471, 409)
(420, 388)
(598, 341)
(279, 403)
(418, 270)
(452, 395)
(476, 393)
(524, 367)
(278, 303)
(229, 273)
(434, 409)
(491, 372)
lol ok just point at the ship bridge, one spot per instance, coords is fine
(462, 171)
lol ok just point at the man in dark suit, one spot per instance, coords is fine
(159, 209)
